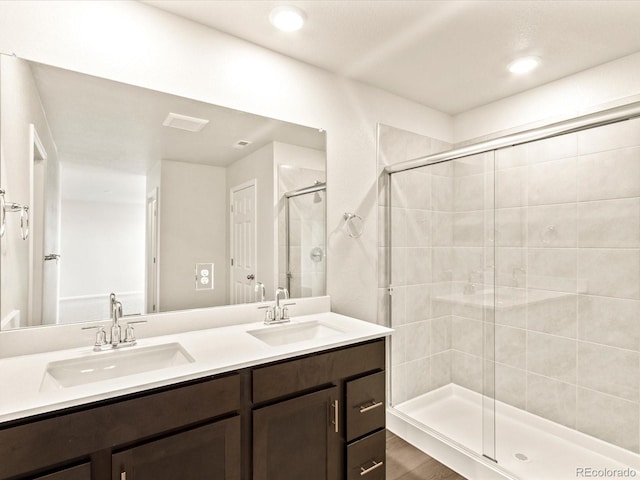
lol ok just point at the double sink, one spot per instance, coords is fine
(116, 363)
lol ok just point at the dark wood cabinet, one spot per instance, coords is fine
(298, 438)
(211, 452)
(79, 472)
(307, 418)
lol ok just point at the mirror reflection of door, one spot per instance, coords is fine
(43, 240)
(243, 242)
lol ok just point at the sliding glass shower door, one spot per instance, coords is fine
(442, 268)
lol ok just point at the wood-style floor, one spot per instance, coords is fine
(405, 462)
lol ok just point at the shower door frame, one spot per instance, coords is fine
(584, 122)
(318, 187)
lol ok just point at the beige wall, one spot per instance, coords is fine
(192, 230)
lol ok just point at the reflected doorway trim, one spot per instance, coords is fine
(152, 256)
(37, 167)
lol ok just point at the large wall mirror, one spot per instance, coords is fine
(167, 202)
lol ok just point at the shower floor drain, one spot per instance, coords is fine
(521, 456)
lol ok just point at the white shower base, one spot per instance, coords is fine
(447, 424)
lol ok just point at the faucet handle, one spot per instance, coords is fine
(101, 337)
(129, 332)
(284, 311)
(269, 314)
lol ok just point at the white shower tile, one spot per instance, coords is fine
(557, 316)
(609, 223)
(468, 193)
(466, 335)
(510, 346)
(609, 321)
(609, 370)
(552, 399)
(510, 187)
(552, 269)
(511, 385)
(608, 175)
(418, 303)
(608, 418)
(610, 273)
(510, 227)
(418, 266)
(468, 229)
(440, 334)
(442, 193)
(552, 356)
(398, 237)
(418, 377)
(554, 148)
(442, 229)
(418, 228)
(552, 226)
(441, 369)
(417, 340)
(466, 370)
(510, 268)
(552, 182)
(511, 157)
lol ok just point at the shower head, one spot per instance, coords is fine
(317, 198)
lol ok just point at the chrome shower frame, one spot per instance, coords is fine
(317, 187)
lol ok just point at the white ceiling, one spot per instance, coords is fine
(112, 125)
(449, 55)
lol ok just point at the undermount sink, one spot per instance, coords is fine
(113, 364)
(276, 335)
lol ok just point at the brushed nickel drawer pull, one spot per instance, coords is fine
(335, 415)
(123, 476)
(364, 471)
(371, 406)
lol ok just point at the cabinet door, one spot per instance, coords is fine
(297, 439)
(80, 472)
(211, 452)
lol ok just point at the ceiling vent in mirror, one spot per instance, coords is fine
(240, 144)
(184, 122)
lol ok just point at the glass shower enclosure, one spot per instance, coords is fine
(305, 238)
(514, 274)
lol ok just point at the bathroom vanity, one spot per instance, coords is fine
(311, 409)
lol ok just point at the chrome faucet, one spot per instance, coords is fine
(115, 340)
(279, 312)
(116, 313)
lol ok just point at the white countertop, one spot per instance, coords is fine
(215, 351)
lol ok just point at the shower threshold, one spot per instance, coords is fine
(447, 424)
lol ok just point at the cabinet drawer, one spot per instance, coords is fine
(366, 458)
(280, 379)
(365, 405)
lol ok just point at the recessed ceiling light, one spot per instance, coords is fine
(524, 65)
(287, 19)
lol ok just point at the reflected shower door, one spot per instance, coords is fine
(306, 249)
(440, 246)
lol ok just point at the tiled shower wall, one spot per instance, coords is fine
(568, 214)
(563, 247)
(420, 344)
